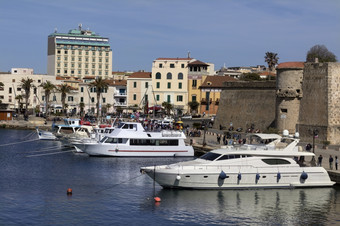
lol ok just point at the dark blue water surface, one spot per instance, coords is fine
(35, 176)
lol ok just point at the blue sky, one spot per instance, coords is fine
(230, 32)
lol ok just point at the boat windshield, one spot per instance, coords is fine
(210, 156)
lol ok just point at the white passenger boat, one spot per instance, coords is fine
(273, 166)
(45, 135)
(130, 139)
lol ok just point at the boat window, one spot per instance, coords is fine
(210, 156)
(276, 161)
(131, 126)
(126, 126)
(231, 156)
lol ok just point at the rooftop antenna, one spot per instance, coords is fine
(55, 30)
(188, 54)
(80, 25)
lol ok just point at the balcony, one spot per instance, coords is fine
(120, 104)
(120, 94)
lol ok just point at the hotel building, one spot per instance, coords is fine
(79, 53)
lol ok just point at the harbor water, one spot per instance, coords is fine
(35, 176)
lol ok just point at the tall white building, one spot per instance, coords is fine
(79, 53)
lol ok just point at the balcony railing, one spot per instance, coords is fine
(120, 94)
(120, 104)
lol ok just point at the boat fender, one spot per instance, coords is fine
(239, 176)
(222, 175)
(257, 176)
(304, 175)
(278, 176)
(178, 177)
(116, 149)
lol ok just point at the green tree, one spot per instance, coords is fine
(167, 106)
(64, 89)
(81, 106)
(250, 77)
(194, 106)
(27, 84)
(48, 87)
(271, 59)
(19, 98)
(100, 85)
(322, 53)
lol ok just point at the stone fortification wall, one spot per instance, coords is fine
(319, 108)
(288, 95)
(246, 103)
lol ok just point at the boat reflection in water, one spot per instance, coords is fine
(246, 207)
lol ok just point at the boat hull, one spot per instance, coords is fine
(238, 178)
(100, 149)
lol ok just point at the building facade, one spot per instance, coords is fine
(139, 85)
(79, 53)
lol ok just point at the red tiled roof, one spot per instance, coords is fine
(267, 73)
(89, 77)
(291, 65)
(174, 58)
(216, 81)
(197, 62)
(140, 75)
(112, 82)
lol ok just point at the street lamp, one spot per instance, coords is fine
(315, 133)
(204, 129)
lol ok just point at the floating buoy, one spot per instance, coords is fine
(157, 199)
(69, 191)
(222, 175)
(239, 176)
(257, 176)
(178, 177)
(278, 176)
(304, 175)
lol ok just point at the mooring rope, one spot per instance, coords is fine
(48, 149)
(54, 153)
(20, 142)
(119, 183)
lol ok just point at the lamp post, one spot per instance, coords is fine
(315, 133)
(204, 129)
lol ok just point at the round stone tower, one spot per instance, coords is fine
(288, 95)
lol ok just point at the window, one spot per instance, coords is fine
(182, 66)
(180, 76)
(146, 84)
(82, 89)
(158, 84)
(65, 51)
(179, 85)
(134, 84)
(81, 99)
(70, 98)
(179, 98)
(169, 76)
(172, 65)
(54, 98)
(104, 99)
(157, 97)
(194, 83)
(158, 75)
(92, 99)
(160, 65)
(193, 98)
(284, 110)
(169, 99)
(169, 85)
(10, 90)
(276, 161)
(134, 96)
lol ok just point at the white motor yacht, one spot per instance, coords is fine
(274, 165)
(130, 139)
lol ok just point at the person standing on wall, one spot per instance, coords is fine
(331, 162)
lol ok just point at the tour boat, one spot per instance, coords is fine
(244, 167)
(130, 139)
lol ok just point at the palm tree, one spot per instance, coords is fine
(271, 59)
(48, 87)
(19, 98)
(81, 106)
(100, 85)
(64, 89)
(168, 107)
(26, 84)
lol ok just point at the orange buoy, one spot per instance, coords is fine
(157, 199)
(69, 191)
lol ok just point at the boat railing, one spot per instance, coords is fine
(222, 167)
(171, 134)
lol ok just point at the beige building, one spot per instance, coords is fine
(79, 53)
(139, 86)
(170, 82)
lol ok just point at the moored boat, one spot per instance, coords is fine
(243, 168)
(45, 135)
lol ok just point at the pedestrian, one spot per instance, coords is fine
(330, 162)
(218, 138)
(336, 162)
(320, 160)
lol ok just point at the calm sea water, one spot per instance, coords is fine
(35, 175)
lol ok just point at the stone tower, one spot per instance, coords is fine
(288, 95)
